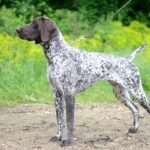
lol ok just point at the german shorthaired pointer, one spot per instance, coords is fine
(71, 70)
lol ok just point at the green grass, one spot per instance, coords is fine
(23, 66)
(27, 83)
(100, 92)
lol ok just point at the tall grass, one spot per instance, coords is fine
(23, 76)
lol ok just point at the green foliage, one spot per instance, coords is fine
(96, 9)
(90, 10)
(22, 71)
(86, 24)
(29, 8)
(9, 21)
(23, 65)
(70, 22)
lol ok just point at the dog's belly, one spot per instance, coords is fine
(85, 82)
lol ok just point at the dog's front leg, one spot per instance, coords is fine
(59, 105)
(70, 106)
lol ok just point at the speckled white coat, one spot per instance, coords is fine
(72, 70)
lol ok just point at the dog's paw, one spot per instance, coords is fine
(55, 139)
(132, 130)
(66, 143)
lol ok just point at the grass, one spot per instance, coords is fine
(23, 66)
(27, 82)
(100, 92)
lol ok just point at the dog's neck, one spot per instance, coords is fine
(54, 47)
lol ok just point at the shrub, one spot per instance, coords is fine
(9, 21)
(23, 66)
(70, 22)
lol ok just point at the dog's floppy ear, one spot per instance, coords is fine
(46, 28)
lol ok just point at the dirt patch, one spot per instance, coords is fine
(98, 127)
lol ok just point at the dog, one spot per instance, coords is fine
(72, 70)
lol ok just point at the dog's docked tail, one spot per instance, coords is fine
(137, 50)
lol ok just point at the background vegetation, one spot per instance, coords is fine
(97, 25)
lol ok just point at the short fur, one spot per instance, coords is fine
(72, 70)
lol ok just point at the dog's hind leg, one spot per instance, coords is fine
(140, 96)
(144, 101)
(125, 97)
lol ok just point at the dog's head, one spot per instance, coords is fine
(40, 30)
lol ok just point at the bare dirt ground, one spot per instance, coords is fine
(98, 127)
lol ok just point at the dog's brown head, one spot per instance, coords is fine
(40, 30)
